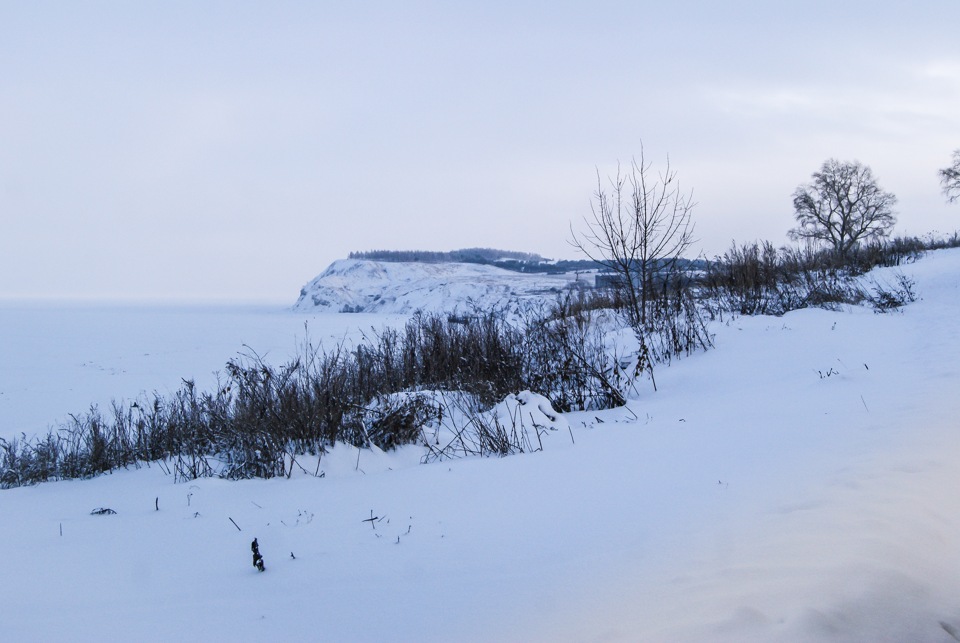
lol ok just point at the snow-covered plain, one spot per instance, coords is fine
(797, 483)
(61, 358)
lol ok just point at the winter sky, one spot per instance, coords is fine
(231, 150)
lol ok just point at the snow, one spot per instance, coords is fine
(797, 483)
(357, 285)
(61, 358)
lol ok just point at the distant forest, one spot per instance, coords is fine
(507, 259)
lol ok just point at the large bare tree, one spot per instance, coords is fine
(950, 178)
(639, 229)
(842, 206)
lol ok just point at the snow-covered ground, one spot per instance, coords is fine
(355, 285)
(797, 483)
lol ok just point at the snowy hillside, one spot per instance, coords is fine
(798, 483)
(353, 285)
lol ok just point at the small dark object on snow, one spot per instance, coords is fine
(102, 511)
(292, 557)
(257, 558)
(951, 630)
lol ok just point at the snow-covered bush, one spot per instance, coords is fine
(886, 297)
(515, 425)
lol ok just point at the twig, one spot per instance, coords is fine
(235, 524)
(293, 461)
(372, 519)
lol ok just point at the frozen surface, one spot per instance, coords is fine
(798, 483)
(60, 359)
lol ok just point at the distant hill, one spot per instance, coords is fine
(362, 285)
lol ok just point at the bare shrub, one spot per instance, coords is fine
(567, 359)
(400, 419)
(260, 416)
(757, 278)
(888, 297)
(509, 428)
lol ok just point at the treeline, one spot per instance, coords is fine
(506, 259)
(465, 255)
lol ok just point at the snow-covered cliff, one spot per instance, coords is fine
(354, 285)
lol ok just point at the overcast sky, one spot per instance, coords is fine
(232, 150)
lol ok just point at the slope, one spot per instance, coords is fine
(798, 483)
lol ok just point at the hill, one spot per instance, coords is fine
(358, 285)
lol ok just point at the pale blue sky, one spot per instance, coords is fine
(231, 150)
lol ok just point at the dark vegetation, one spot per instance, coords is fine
(639, 230)
(506, 259)
(950, 178)
(843, 207)
(758, 278)
(260, 418)
(466, 255)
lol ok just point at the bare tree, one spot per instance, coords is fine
(842, 206)
(950, 178)
(639, 229)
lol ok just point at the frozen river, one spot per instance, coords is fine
(57, 359)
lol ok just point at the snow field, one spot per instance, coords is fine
(797, 483)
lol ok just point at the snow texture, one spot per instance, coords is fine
(355, 285)
(754, 497)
